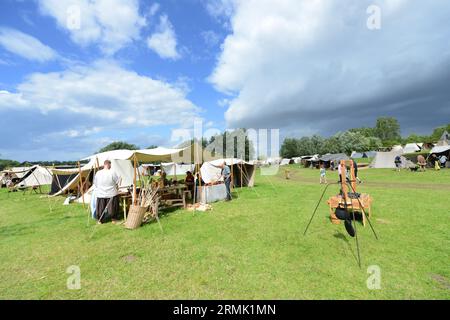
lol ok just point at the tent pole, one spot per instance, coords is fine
(241, 175)
(232, 176)
(134, 181)
(81, 185)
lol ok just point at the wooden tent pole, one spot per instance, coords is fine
(232, 175)
(81, 185)
(241, 175)
(134, 180)
(344, 180)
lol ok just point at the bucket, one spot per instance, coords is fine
(135, 217)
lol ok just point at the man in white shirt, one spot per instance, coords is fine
(106, 190)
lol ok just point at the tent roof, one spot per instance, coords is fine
(229, 162)
(397, 148)
(357, 155)
(145, 155)
(370, 154)
(411, 147)
(334, 157)
(440, 149)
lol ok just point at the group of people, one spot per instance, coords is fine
(439, 162)
(323, 172)
(106, 190)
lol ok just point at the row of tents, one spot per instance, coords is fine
(78, 181)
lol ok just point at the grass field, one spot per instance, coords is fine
(250, 248)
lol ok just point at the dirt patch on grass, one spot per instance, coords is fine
(383, 221)
(441, 280)
(129, 258)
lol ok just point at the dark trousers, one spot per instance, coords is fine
(107, 209)
(227, 185)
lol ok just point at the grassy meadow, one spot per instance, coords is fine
(250, 248)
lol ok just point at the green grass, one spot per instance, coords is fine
(250, 248)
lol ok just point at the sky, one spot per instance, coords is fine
(76, 75)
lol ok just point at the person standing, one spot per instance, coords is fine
(443, 161)
(323, 174)
(190, 182)
(398, 163)
(226, 174)
(355, 169)
(106, 190)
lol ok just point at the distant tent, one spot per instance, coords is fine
(285, 162)
(445, 140)
(411, 148)
(173, 169)
(308, 160)
(336, 158)
(370, 154)
(357, 155)
(297, 160)
(386, 160)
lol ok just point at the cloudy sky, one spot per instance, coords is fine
(78, 74)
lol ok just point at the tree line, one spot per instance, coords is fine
(385, 133)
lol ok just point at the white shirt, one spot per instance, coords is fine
(105, 183)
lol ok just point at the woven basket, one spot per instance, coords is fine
(135, 217)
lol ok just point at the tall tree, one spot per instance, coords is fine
(289, 148)
(119, 145)
(388, 129)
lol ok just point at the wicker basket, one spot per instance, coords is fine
(135, 217)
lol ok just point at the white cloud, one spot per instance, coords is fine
(221, 10)
(103, 93)
(295, 63)
(154, 9)
(210, 38)
(164, 40)
(72, 113)
(25, 45)
(110, 24)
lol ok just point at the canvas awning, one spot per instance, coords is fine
(159, 154)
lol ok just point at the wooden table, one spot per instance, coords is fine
(365, 202)
(179, 191)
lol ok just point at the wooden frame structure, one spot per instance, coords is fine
(343, 200)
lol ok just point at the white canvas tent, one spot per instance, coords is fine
(285, 162)
(36, 176)
(173, 169)
(411, 148)
(65, 180)
(211, 172)
(386, 160)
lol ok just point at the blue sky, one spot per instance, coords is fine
(141, 71)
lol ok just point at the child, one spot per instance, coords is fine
(323, 175)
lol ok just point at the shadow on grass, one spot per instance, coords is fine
(340, 236)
